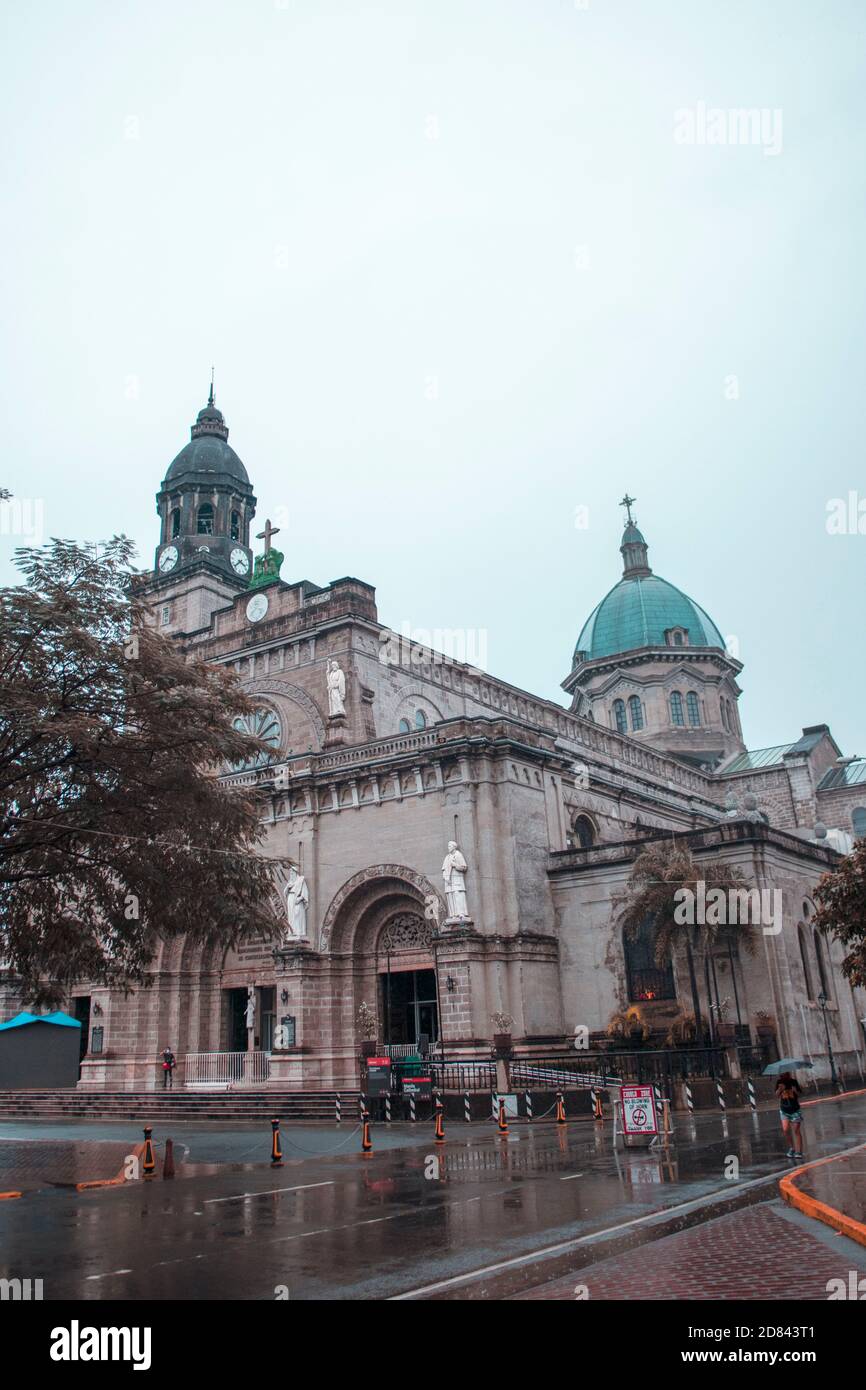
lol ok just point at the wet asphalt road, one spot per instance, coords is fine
(337, 1225)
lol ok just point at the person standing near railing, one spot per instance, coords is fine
(168, 1066)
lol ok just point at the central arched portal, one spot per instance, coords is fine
(383, 920)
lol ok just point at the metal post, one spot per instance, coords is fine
(823, 1001)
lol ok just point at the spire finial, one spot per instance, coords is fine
(627, 503)
(210, 397)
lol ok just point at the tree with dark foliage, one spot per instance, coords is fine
(840, 901)
(115, 829)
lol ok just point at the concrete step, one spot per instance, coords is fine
(236, 1105)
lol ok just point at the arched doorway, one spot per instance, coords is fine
(406, 969)
(377, 931)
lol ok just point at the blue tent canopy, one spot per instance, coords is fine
(57, 1017)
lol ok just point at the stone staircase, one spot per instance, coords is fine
(227, 1107)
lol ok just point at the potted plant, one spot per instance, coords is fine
(628, 1026)
(502, 1025)
(765, 1025)
(683, 1031)
(367, 1026)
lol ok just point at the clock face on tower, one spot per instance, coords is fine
(240, 560)
(257, 607)
(168, 559)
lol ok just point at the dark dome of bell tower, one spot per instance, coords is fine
(206, 504)
(208, 450)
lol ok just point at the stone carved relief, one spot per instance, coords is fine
(406, 932)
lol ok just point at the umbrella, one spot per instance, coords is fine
(786, 1064)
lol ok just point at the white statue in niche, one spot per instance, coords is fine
(454, 876)
(297, 900)
(336, 689)
(251, 1008)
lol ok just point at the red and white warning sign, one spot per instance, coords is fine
(639, 1110)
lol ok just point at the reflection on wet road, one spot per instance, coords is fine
(343, 1226)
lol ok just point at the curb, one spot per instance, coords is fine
(118, 1179)
(820, 1211)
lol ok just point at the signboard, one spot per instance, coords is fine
(639, 1110)
(417, 1086)
(378, 1076)
(96, 1036)
(286, 1033)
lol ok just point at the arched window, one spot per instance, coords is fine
(645, 980)
(619, 716)
(807, 974)
(676, 707)
(175, 523)
(724, 708)
(636, 712)
(205, 519)
(819, 956)
(263, 724)
(693, 708)
(583, 831)
(420, 719)
(678, 639)
(404, 727)
(235, 528)
(858, 822)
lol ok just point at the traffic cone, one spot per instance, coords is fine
(502, 1125)
(560, 1109)
(366, 1141)
(276, 1149)
(439, 1131)
(168, 1161)
(148, 1166)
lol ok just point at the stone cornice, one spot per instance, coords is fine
(726, 834)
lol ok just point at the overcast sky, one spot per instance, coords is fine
(463, 270)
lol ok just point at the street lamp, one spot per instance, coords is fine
(822, 1002)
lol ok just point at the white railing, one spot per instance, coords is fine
(226, 1069)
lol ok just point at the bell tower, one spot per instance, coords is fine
(205, 507)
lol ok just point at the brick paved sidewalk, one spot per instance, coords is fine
(761, 1252)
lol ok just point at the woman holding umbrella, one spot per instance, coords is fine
(788, 1091)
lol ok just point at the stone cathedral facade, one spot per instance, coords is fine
(547, 802)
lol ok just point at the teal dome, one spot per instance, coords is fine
(640, 609)
(637, 613)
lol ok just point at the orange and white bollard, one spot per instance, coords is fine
(502, 1124)
(148, 1166)
(439, 1129)
(366, 1141)
(560, 1109)
(597, 1106)
(276, 1149)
